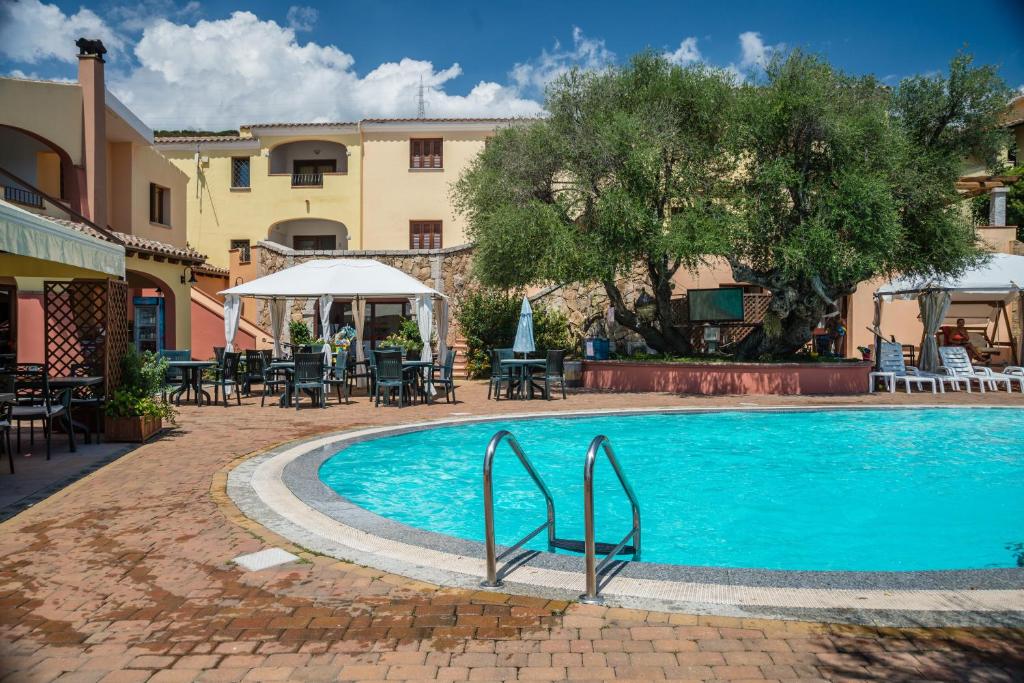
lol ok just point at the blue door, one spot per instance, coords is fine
(149, 323)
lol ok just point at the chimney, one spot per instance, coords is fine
(94, 127)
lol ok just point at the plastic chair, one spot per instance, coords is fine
(447, 379)
(309, 376)
(500, 374)
(34, 401)
(338, 375)
(554, 371)
(390, 376)
(228, 378)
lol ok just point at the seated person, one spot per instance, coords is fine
(961, 336)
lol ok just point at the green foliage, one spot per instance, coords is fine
(142, 380)
(299, 332)
(807, 180)
(407, 337)
(488, 319)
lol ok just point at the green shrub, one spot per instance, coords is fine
(300, 333)
(142, 380)
(407, 337)
(488, 320)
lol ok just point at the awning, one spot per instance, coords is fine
(999, 278)
(27, 234)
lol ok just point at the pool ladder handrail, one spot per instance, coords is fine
(492, 580)
(593, 568)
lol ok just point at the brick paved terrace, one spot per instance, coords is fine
(126, 576)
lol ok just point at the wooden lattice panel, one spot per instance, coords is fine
(86, 325)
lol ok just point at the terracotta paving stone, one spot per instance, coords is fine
(126, 576)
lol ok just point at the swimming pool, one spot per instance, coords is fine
(850, 490)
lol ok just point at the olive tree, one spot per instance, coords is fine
(845, 180)
(627, 173)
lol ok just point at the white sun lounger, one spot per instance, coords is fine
(957, 363)
(892, 369)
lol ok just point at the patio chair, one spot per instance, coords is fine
(228, 378)
(447, 378)
(367, 372)
(957, 363)
(5, 433)
(390, 376)
(256, 362)
(34, 401)
(218, 354)
(309, 376)
(500, 374)
(173, 378)
(554, 372)
(274, 380)
(90, 397)
(1009, 376)
(892, 369)
(337, 376)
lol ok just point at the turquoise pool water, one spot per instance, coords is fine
(866, 490)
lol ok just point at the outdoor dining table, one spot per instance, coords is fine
(191, 376)
(523, 368)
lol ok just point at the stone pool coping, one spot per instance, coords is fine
(281, 490)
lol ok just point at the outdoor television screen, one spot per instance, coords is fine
(715, 305)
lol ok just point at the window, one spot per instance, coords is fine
(314, 242)
(159, 204)
(243, 250)
(240, 172)
(424, 234)
(426, 153)
(1011, 155)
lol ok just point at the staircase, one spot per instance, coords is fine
(461, 359)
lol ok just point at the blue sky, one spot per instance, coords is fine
(215, 64)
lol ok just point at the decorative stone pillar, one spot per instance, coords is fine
(997, 206)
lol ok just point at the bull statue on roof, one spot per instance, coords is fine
(87, 46)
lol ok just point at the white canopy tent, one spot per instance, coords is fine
(980, 296)
(355, 280)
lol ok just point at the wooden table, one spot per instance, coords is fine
(191, 376)
(522, 366)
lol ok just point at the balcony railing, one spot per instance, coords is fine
(18, 195)
(307, 179)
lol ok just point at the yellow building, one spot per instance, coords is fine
(379, 184)
(77, 158)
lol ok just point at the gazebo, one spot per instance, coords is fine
(328, 280)
(980, 296)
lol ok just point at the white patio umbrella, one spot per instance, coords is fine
(524, 331)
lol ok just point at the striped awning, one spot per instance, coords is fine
(27, 234)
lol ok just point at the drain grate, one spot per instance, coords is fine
(264, 559)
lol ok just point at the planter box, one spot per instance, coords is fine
(719, 379)
(131, 429)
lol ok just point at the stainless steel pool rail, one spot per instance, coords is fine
(593, 568)
(492, 580)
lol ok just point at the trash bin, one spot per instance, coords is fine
(595, 348)
(573, 370)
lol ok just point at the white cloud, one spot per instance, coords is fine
(31, 31)
(687, 53)
(754, 53)
(586, 53)
(302, 18)
(246, 70)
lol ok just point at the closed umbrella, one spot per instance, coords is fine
(524, 331)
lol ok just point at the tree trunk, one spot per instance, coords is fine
(660, 333)
(797, 330)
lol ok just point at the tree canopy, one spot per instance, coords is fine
(806, 181)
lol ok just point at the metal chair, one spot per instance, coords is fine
(390, 376)
(447, 378)
(338, 375)
(309, 376)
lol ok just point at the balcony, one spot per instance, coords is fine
(17, 195)
(307, 179)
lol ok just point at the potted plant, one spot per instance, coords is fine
(406, 338)
(135, 411)
(865, 352)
